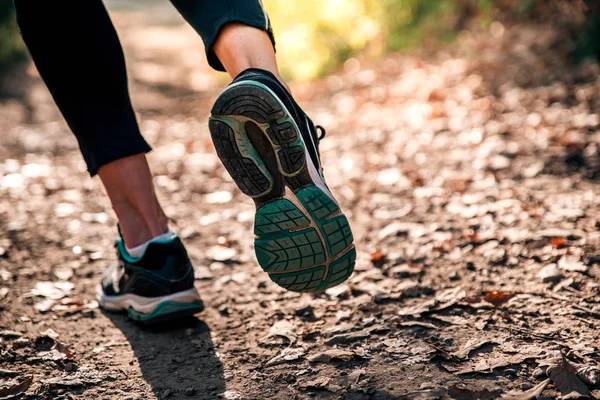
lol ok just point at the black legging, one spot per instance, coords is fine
(75, 48)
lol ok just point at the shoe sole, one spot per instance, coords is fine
(152, 310)
(303, 240)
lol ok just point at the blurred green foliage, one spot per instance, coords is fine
(315, 36)
(12, 49)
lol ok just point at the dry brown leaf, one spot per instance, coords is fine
(497, 298)
(15, 388)
(469, 347)
(487, 366)
(286, 355)
(558, 242)
(333, 355)
(589, 375)
(530, 394)
(378, 257)
(410, 324)
(458, 393)
(564, 378)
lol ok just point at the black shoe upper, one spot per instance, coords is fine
(307, 128)
(164, 269)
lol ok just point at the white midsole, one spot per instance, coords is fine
(312, 169)
(142, 304)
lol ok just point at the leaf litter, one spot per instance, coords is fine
(465, 174)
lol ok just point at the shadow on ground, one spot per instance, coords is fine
(177, 360)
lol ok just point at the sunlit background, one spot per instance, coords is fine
(315, 36)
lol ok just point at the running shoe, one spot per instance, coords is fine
(155, 287)
(269, 146)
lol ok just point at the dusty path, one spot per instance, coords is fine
(463, 173)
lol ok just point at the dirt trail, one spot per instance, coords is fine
(470, 178)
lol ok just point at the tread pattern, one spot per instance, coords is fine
(304, 251)
(245, 171)
(248, 102)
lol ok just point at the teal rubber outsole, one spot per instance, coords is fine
(304, 247)
(166, 311)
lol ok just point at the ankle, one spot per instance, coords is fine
(138, 228)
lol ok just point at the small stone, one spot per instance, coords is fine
(570, 263)
(550, 273)
(224, 311)
(403, 271)
(526, 386)
(20, 343)
(409, 288)
(10, 334)
(539, 373)
(497, 256)
(190, 392)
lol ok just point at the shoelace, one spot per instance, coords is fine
(323, 132)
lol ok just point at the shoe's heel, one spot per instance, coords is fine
(236, 110)
(304, 242)
(166, 311)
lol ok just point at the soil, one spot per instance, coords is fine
(470, 177)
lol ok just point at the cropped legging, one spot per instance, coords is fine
(77, 52)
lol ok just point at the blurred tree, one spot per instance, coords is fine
(588, 45)
(12, 49)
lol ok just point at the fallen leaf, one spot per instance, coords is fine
(286, 355)
(85, 375)
(410, 324)
(333, 355)
(347, 338)
(557, 242)
(52, 290)
(63, 272)
(589, 375)
(564, 378)
(570, 263)
(9, 335)
(15, 388)
(445, 299)
(284, 329)
(487, 366)
(469, 347)
(378, 257)
(7, 373)
(530, 394)
(221, 253)
(430, 394)
(319, 383)
(51, 333)
(497, 298)
(44, 305)
(459, 393)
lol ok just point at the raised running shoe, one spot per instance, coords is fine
(269, 146)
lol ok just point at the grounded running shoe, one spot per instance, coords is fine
(269, 147)
(156, 287)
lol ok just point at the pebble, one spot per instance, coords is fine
(539, 373)
(550, 273)
(526, 386)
